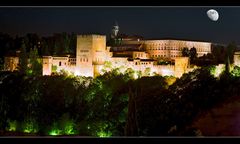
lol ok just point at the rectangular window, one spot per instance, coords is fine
(84, 51)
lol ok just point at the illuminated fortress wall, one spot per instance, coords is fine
(173, 48)
(47, 65)
(92, 53)
(52, 64)
(236, 58)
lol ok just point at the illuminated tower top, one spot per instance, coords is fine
(115, 31)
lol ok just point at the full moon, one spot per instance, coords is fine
(213, 14)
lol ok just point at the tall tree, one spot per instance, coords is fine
(193, 54)
(229, 56)
(45, 47)
(230, 51)
(185, 52)
(23, 59)
(217, 53)
(131, 127)
(55, 48)
(66, 42)
(36, 66)
(73, 43)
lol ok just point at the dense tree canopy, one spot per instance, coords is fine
(113, 104)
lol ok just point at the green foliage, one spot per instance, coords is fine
(55, 130)
(216, 71)
(112, 103)
(12, 125)
(65, 73)
(142, 109)
(54, 68)
(67, 125)
(107, 98)
(147, 72)
(64, 126)
(30, 126)
(63, 43)
(35, 62)
(236, 71)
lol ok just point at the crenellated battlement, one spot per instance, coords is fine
(91, 36)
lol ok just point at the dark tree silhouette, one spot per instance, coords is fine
(193, 54)
(23, 59)
(185, 52)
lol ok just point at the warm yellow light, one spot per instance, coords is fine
(219, 69)
(76, 73)
(135, 75)
(167, 72)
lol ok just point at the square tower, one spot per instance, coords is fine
(91, 51)
(47, 65)
(181, 65)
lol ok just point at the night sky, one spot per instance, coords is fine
(149, 22)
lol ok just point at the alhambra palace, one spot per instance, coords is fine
(93, 53)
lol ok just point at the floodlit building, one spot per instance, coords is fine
(92, 55)
(171, 48)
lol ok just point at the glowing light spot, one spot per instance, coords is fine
(217, 70)
(77, 73)
(135, 75)
(104, 134)
(69, 129)
(30, 127)
(55, 132)
(167, 72)
(12, 126)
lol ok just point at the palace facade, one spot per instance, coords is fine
(92, 55)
